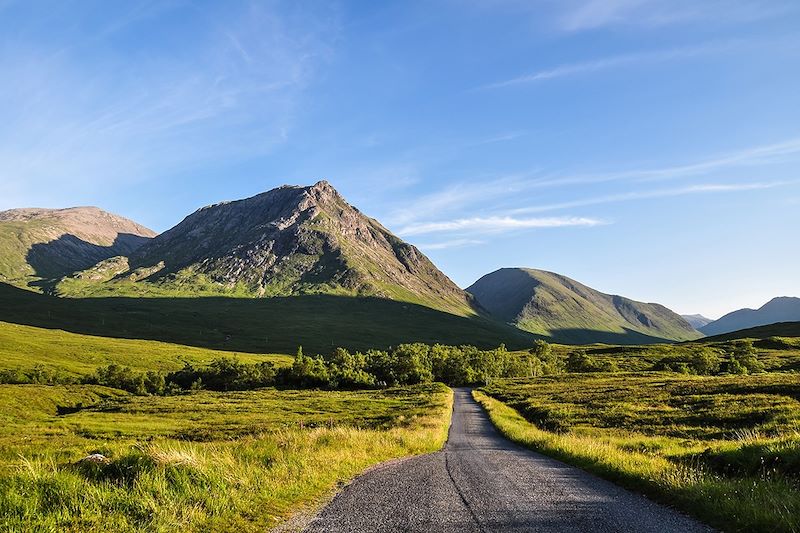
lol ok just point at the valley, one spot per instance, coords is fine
(215, 367)
(490, 266)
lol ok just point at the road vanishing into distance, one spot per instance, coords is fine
(482, 482)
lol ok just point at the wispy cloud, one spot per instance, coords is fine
(746, 157)
(591, 15)
(611, 62)
(454, 198)
(644, 195)
(455, 243)
(495, 224)
(504, 137)
(580, 15)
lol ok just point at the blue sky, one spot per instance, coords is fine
(648, 148)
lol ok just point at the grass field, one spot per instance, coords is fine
(724, 448)
(23, 347)
(201, 462)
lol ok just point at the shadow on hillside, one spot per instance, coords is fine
(317, 322)
(69, 254)
(590, 336)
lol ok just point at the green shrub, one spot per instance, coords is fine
(703, 362)
(125, 378)
(37, 375)
(742, 358)
(580, 361)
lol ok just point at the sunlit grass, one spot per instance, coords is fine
(302, 445)
(709, 457)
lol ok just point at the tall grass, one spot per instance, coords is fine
(763, 503)
(246, 484)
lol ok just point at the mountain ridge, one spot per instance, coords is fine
(39, 245)
(778, 309)
(286, 241)
(697, 321)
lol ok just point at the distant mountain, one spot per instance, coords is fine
(41, 245)
(697, 321)
(781, 309)
(287, 241)
(553, 305)
(779, 329)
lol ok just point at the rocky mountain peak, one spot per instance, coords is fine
(294, 240)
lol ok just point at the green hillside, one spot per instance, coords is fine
(555, 306)
(257, 325)
(23, 347)
(780, 329)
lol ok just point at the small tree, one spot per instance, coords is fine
(742, 358)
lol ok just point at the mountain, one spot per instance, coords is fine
(549, 304)
(769, 332)
(40, 245)
(288, 241)
(696, 321)
(781, 309)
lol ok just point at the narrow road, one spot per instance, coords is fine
(482, 482)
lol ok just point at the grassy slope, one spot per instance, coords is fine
(189, 284)
(16, 239)
(206, 480)
(780, 329)
(699, 443)
(22, 347)
(318, 322)
(551, 305)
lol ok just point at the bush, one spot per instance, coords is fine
(742, 358)
(308, 372)
(38, 375)
(347, 371)
(703, 362)
(580, 361)
(224, 374)
(125, 378)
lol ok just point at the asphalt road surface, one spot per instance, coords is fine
(482, 482)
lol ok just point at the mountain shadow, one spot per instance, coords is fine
(259, 325)
(68, 254)
(591, 336)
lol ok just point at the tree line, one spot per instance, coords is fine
(406, 364)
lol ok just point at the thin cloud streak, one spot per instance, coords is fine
(583, 15)
(644, 195)
(765, 154)
(455, 198)
(446, 245)
(575, 69)
(496, 224)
